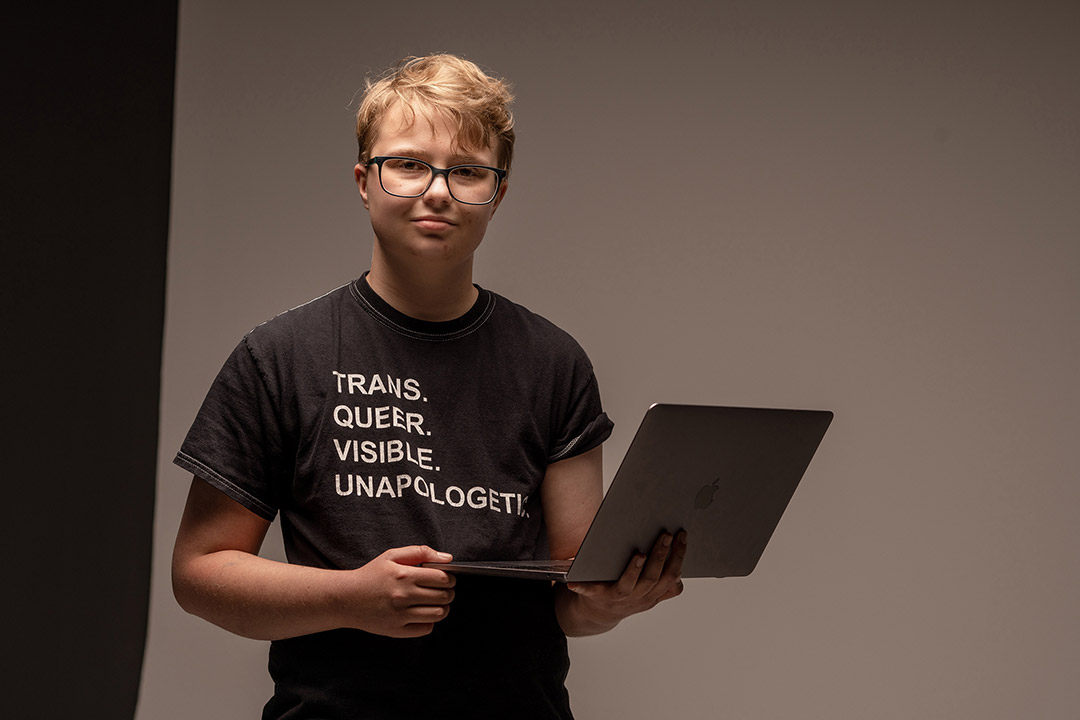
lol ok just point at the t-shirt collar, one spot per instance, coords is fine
(429, 330)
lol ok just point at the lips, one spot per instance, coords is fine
(434, 222)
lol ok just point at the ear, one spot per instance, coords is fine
(361, 174)
(499, 196)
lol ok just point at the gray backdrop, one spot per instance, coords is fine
(872, 210)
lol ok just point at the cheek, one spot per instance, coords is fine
(386, 206)
(477, 220)
(385, 217)
(474, 228)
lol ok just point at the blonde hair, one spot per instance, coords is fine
(474, 103)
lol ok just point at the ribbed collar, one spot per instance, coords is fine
(423, 329)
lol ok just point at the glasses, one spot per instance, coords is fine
(408, 178)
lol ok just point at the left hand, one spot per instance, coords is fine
(647, 581)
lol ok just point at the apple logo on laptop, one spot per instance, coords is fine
(704, 496)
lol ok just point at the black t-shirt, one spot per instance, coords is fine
(367, 429)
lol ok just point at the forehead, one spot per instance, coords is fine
(421, 128)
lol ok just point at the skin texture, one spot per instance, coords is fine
(422, 265)
(422, 256)
(218, 576)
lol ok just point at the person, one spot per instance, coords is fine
(409, 416)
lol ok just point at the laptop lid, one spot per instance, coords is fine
(724, 474)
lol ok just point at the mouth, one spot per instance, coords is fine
(434, 222)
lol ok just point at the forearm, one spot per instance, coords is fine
(260, 598)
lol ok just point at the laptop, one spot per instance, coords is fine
(724, 474)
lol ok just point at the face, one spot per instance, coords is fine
(432, 228)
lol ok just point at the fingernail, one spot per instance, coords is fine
(666, 541)
(639, 561)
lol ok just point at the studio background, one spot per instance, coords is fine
(867, 208)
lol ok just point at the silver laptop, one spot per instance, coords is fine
(724, 474)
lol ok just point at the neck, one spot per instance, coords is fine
(430, 293)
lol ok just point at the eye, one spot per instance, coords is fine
(472, 173)
(405, 166)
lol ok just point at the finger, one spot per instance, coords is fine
(416, 554)
(430, 596)
(426, 613)
(657, 559)
(590, 589)
(432, 578)
(673, 566)
(674, 591)
(406, 598)
(671, 577)
(625, 584)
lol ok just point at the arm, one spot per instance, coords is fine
(218, 576)
(571, 493)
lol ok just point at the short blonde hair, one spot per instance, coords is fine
(474, 103)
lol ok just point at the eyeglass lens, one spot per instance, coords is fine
(411, 178)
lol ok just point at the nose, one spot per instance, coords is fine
(439, 189)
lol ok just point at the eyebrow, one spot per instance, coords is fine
(455, 159)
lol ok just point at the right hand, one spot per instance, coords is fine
(392, 596)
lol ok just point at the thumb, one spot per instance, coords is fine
(416, 554)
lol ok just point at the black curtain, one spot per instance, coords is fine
(87, 131)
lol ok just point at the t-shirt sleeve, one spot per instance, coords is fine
(585, 425)
(236, 441)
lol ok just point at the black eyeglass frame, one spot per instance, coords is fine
(500, 174)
